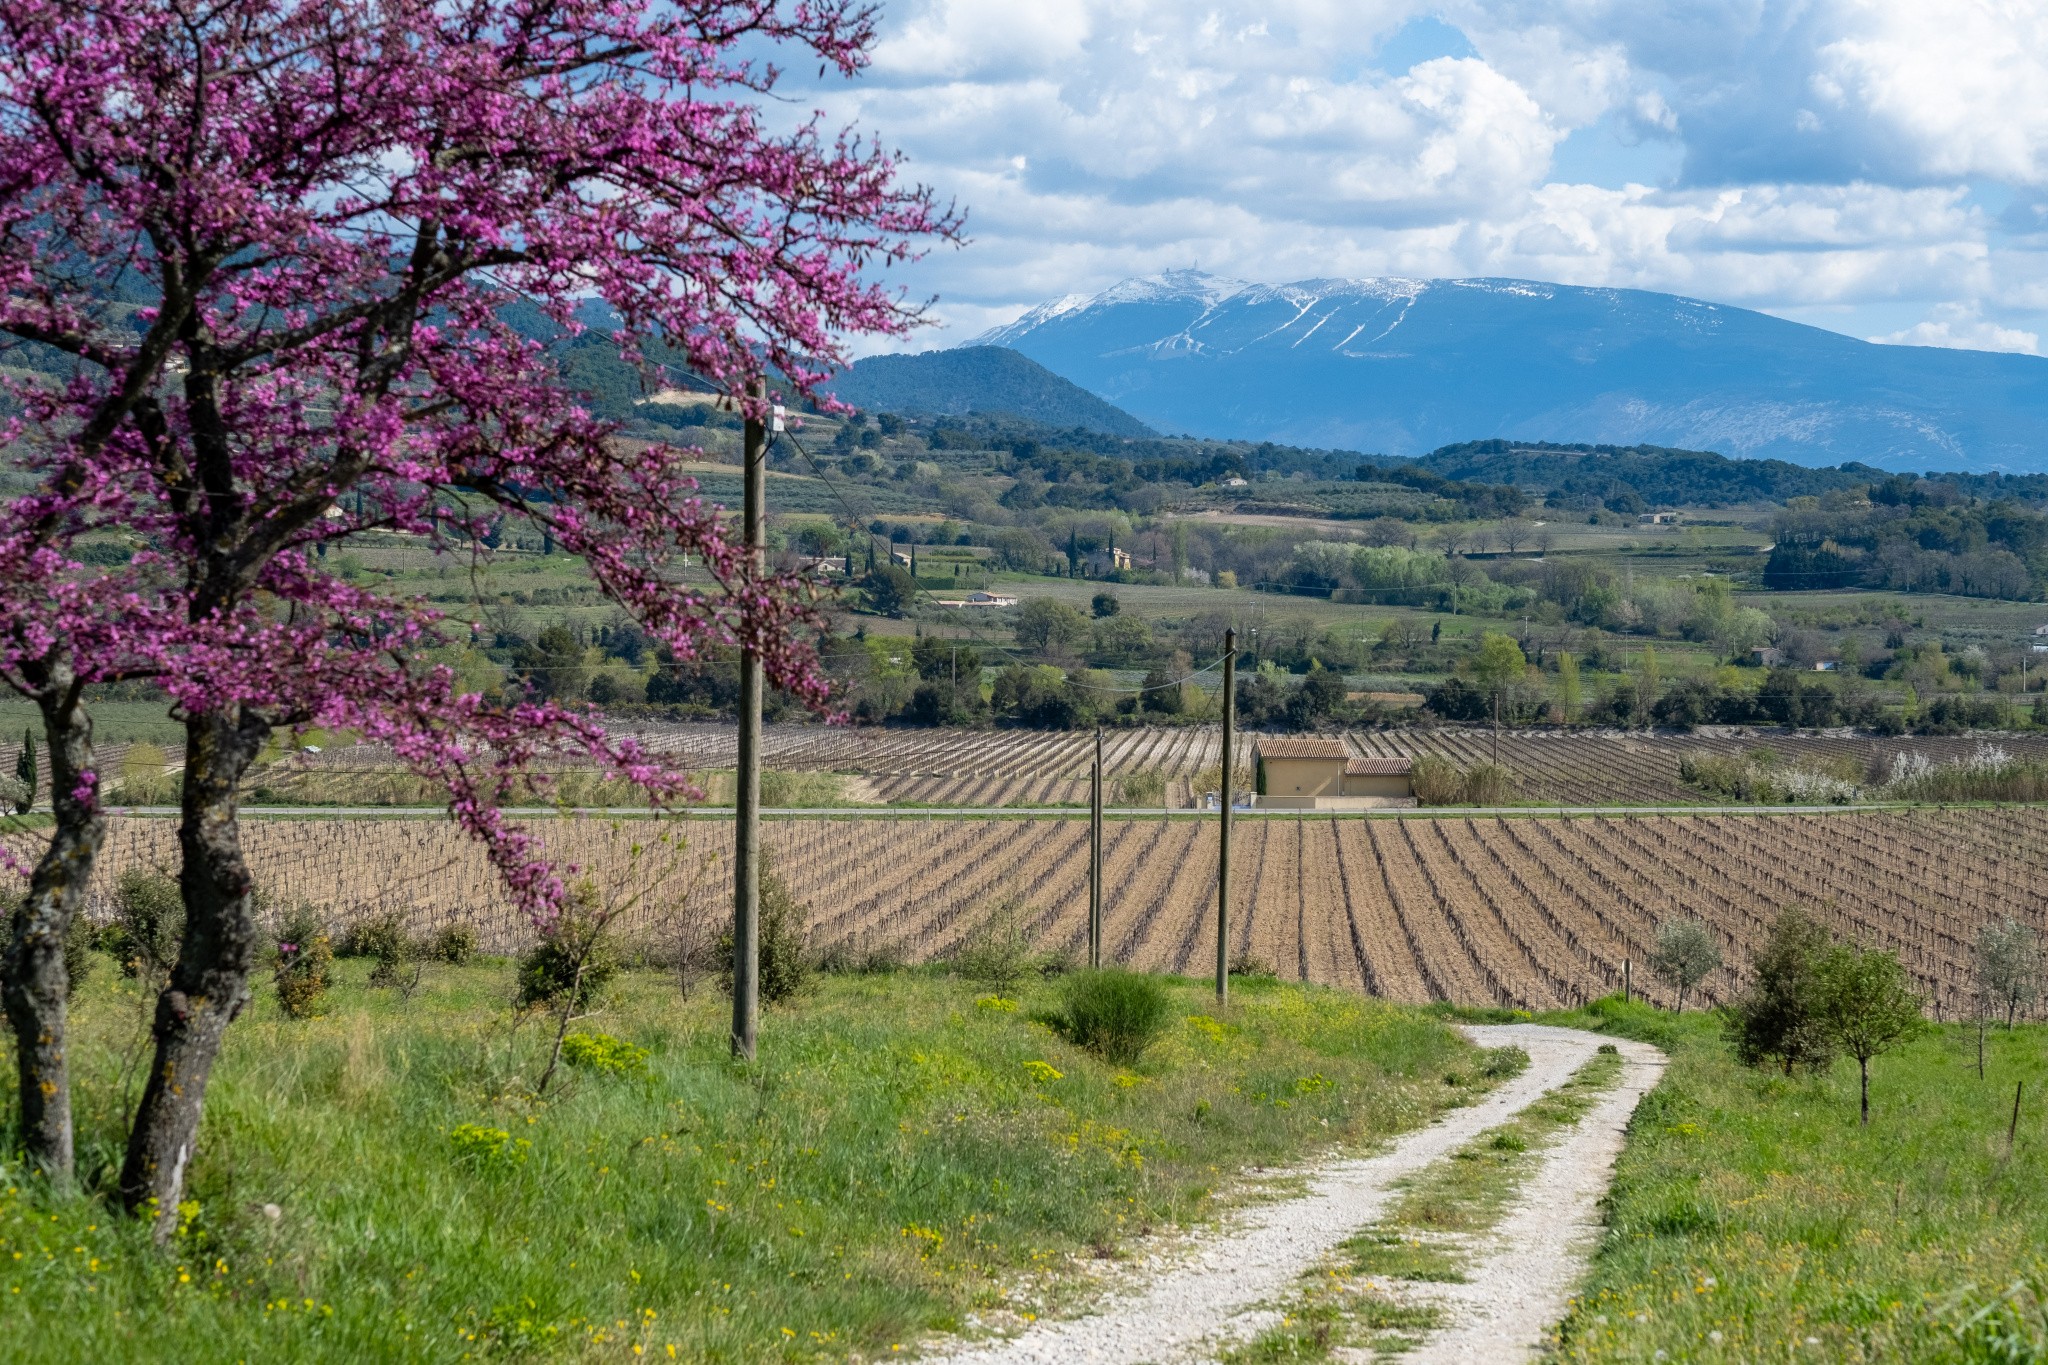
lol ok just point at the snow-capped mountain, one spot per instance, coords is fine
(1401, 366)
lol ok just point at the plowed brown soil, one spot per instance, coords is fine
(1523, 911)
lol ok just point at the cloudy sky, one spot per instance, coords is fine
(1879, 167)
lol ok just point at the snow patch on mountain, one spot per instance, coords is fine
(1310, 362)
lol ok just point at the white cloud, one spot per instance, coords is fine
(1831, 149)
(1956, 87)
(1961, 325)
(954, 42)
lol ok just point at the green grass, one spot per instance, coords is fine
(113, 722)
(1431, 1231)
(1330, 1316)
(1752, 1218)
(1392, 1254)
(901, 1157)
(1468, 1192)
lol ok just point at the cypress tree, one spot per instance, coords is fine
(25, 769)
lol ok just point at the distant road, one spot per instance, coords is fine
(1019, 812)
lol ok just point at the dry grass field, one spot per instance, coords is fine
(1529, 912)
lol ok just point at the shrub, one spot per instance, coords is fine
(573, 961)
(1055, 962)
(377, 936)
(1245, 964)
(303, 957)
(79, 941)
(383, 938)
(782, 941)
(1777, 1018)
(1114, 1013)
(604, 1054)
(869, 957)
(1503, 1063)
(1757, 777)
(453, 944)
(1437, 781)
(1988, 773)
(149, 920)
(1143, 789)
(485, 1149)
(997, 952)
(1488, 784)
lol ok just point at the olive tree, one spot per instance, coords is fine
(1686, 952)
(2008, 966)
(1776, 1019)
(1866, 1005)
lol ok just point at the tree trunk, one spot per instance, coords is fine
(210, 983)
(33, 981)
(1863, 1065)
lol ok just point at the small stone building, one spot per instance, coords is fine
(1322, 774)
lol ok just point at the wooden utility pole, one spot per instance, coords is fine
(1628, 985)
(1223, 852)
(1095, 858)
(746, 841)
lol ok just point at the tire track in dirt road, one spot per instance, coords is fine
(1185, 1303)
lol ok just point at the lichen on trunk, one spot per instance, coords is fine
(210, 984)
(33, 982)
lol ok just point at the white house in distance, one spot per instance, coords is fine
(978, 599)
(1322, 774)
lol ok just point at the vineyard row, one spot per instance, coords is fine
(1532, 913)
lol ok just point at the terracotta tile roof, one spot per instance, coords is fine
(1303, 748)
(1379, 767)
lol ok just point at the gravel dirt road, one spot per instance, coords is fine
(1186, 1303)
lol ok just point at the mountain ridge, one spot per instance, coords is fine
(1403, 365)
(967, 379)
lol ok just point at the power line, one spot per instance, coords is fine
(856, 524)
(854, 518)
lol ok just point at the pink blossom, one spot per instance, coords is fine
(329, 217)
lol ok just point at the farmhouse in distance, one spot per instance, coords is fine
(1322, 774)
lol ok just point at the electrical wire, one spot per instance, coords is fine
(972, 632)
(855, 523)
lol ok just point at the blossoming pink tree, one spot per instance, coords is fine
(62, 627)
(273, 244)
